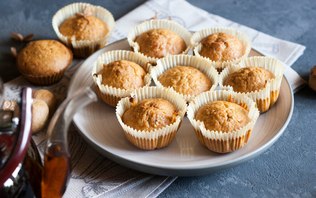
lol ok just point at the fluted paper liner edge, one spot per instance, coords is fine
(112, 95)
(45, 80)
(209, 96)
(271, 64)
(148, 136)
(83, 48)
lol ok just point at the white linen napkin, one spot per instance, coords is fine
(95, 176)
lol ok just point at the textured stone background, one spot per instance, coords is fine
(288, 168)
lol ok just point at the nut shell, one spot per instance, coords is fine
(48, 97)
(40, 112)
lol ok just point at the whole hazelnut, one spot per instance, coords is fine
(40, 112)
(46, 96)
(312, 78)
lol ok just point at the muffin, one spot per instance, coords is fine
(159, 43)
(221, 45)
(187, 75)
(257, 77)
(117, 73)
(83, 27)
(223, 120)
(159, 38)
(249, 79)
(151, 114)
(186, 80)
(44, 62)
(151, 117)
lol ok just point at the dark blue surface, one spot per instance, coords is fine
(288, 168)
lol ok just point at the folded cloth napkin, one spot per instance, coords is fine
(95, 176)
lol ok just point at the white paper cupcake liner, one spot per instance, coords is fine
(267, 96)
(211, 138)
(115, 55)
(155, 24)
(205, 66)
(198, 36)
(83, 48)
(156, 138)
(45, 80)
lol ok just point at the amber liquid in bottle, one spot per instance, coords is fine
(56, 172)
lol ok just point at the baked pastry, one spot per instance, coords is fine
(159, 43)
(151, 114)
(186, 80)
(188, 75)
(151, 118)
(256, 77)
(159, 38)
(123, 74)
(221, 45)
(248, 79)
(223, 120)
(44, 62)
(83, 27)
(222, 116)
(117, 73)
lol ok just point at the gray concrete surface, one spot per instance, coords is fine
(288, 168)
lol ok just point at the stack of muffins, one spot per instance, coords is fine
(186, 69)
(222, 119)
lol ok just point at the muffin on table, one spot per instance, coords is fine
(188, 75)
(151, 117)
(117, 73)
(257, 77)
(159, 38)
(223, 120)
(83, 27)
(221, 45)
(43, 62)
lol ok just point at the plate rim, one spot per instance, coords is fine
(183, 170)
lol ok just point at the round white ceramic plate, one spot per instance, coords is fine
(185, 156)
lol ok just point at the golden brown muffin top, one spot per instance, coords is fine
(84, 28)
(248, 79)
(43, 57)
(222, 116)
(150, 114)
(221, 47)
(160, 42)
(123, 74)
(186, 80)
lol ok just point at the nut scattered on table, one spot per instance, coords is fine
(20, 38)
(40, 112)
(11, 105)
(48, 97)
(312, 78)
